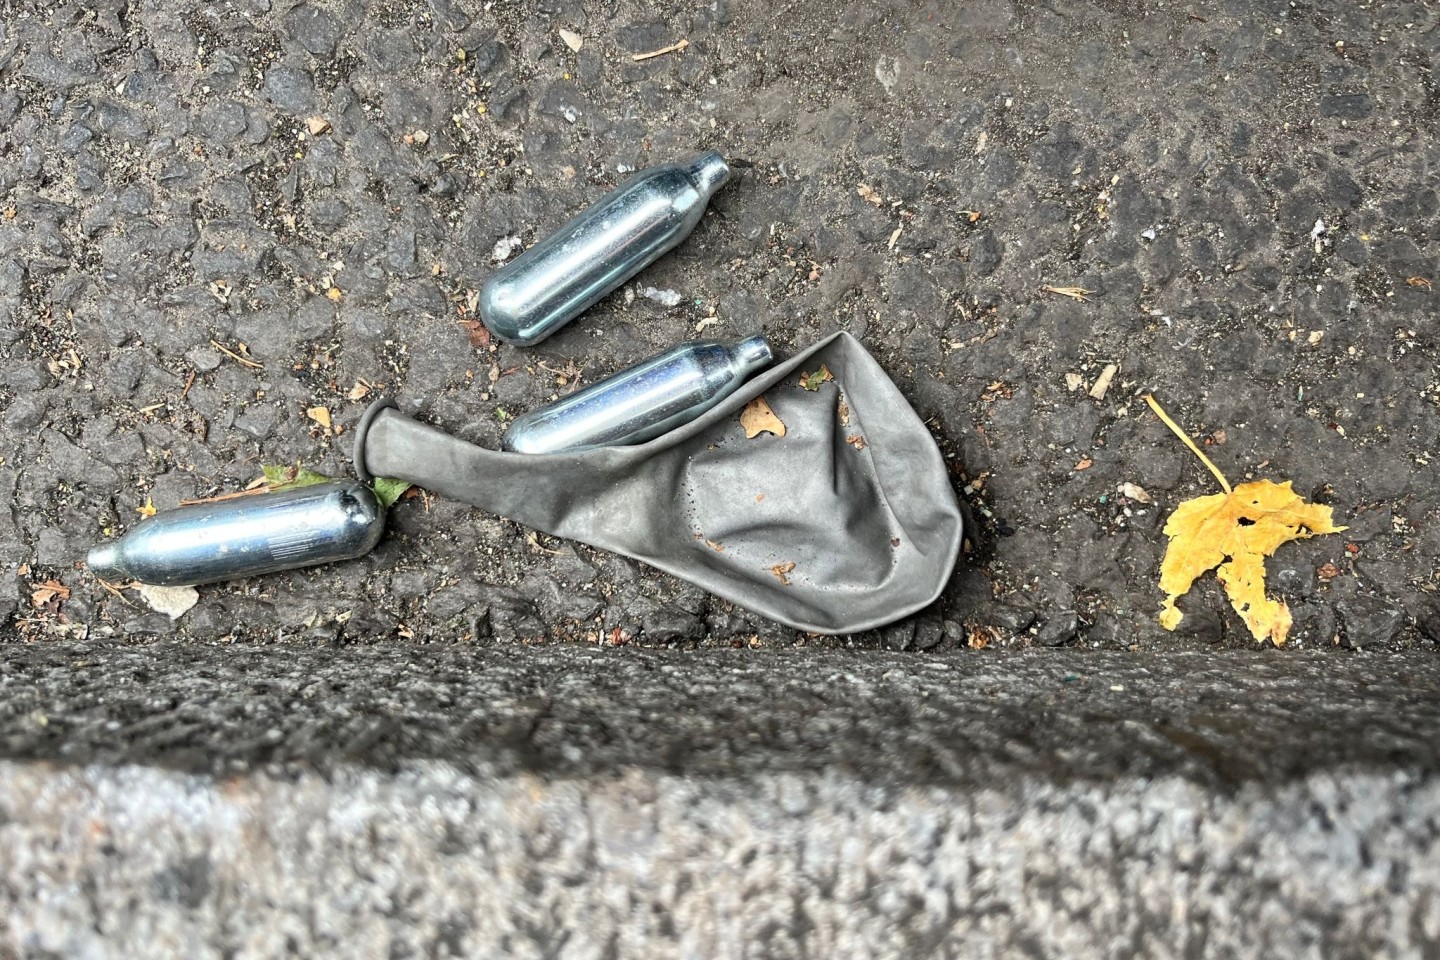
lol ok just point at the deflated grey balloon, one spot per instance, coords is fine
(556, 280)
(818, 530)
(246, 536)
(643, 401)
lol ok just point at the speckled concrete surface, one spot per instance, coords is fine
(430, 862)
(188, 801)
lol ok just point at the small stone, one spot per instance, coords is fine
(898, 636)
(451, 603)
(51, 73)
(290, 89)
(514, 618)
(1312, 624)
(203, 359)
(224, 121)
(1365, 621)
(54, 549)
(121, 123)
(1204, 619)
(667, 624)
(887, 71)
(669, 298)
(504, 247)
(572, 39)
(317, 125)
(26, 412)
(482, 54)
(258, 421)
(1013, 619)
(149, 624)
(1110, 631)
(400, 249)
(136, 200)
(314, 29)
(1059, 629)
(314, 319)
(1346, 106)
(393, 51)
(368, 624)
(174, 602)
(408, 584)
(71, 463)
(1428, 620)
(1294, 581)
(985, 253)
(268, 335)
(257, 128)
(929, 631)
(1134, 492)
(76, 138)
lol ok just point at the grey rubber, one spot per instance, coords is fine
(845, 523)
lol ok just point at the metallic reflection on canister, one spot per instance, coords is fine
(643, 401)
(245, 536)
(554, 281)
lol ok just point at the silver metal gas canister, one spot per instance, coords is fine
(246, 536)
(554, 281)
(643, 401)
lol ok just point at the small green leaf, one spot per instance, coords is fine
(388, 490)
(502, 414)
(308, 478)
(291, 477)
(812, 381)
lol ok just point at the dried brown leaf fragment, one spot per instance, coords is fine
(782, 572)
(758, 418)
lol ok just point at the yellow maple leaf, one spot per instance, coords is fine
(1232, 533)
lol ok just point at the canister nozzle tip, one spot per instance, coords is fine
(709, 171)
(752, 353)
(103, 560)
